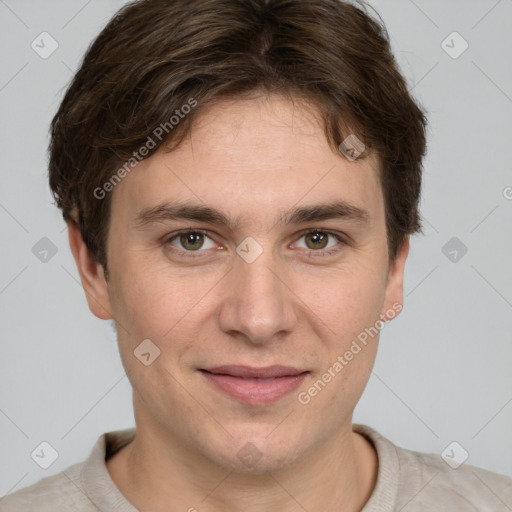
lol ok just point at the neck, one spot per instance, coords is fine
(155, 471)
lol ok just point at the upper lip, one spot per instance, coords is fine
(249, 372)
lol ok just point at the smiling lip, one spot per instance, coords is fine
(245, 383)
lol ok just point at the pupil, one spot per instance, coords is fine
(318, 236)
(193, 238)
(189, 239)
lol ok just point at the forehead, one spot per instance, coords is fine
(253, 159)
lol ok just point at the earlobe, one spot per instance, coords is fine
(91, 274)
(395, 285)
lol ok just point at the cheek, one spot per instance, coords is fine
(159, 307)
(348, 301)
(144, 294)
(347, 316)
(138, 302)
(153, 299)
(167, 306)
(348, 327)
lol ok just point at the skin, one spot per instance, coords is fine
(291, 306)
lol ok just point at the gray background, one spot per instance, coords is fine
(443, 369)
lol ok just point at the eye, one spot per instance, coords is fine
(190, 240)
(317, 241)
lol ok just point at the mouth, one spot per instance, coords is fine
(255, 386)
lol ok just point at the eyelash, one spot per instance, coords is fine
(190, 254)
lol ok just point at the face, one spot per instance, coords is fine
(257, 290)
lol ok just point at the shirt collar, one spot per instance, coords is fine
(103, 492)
(96, 480)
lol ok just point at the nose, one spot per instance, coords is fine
(259, 303)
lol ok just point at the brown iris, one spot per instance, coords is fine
(192, 241)
(319, 237)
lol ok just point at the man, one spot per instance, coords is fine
(240, 179)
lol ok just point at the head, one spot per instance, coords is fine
(256, 130)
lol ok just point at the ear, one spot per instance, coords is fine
(91, 274)
(395, 285)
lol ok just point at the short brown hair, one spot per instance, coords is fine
(154, 56)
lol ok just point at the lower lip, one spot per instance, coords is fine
(253, 391)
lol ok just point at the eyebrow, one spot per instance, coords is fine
(203, 213)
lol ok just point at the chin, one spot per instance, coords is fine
(255, 454)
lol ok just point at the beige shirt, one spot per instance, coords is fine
(407, 481)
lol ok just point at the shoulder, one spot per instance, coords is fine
(425, 481)
(467, 487)
(62, 491)
(83, 487)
